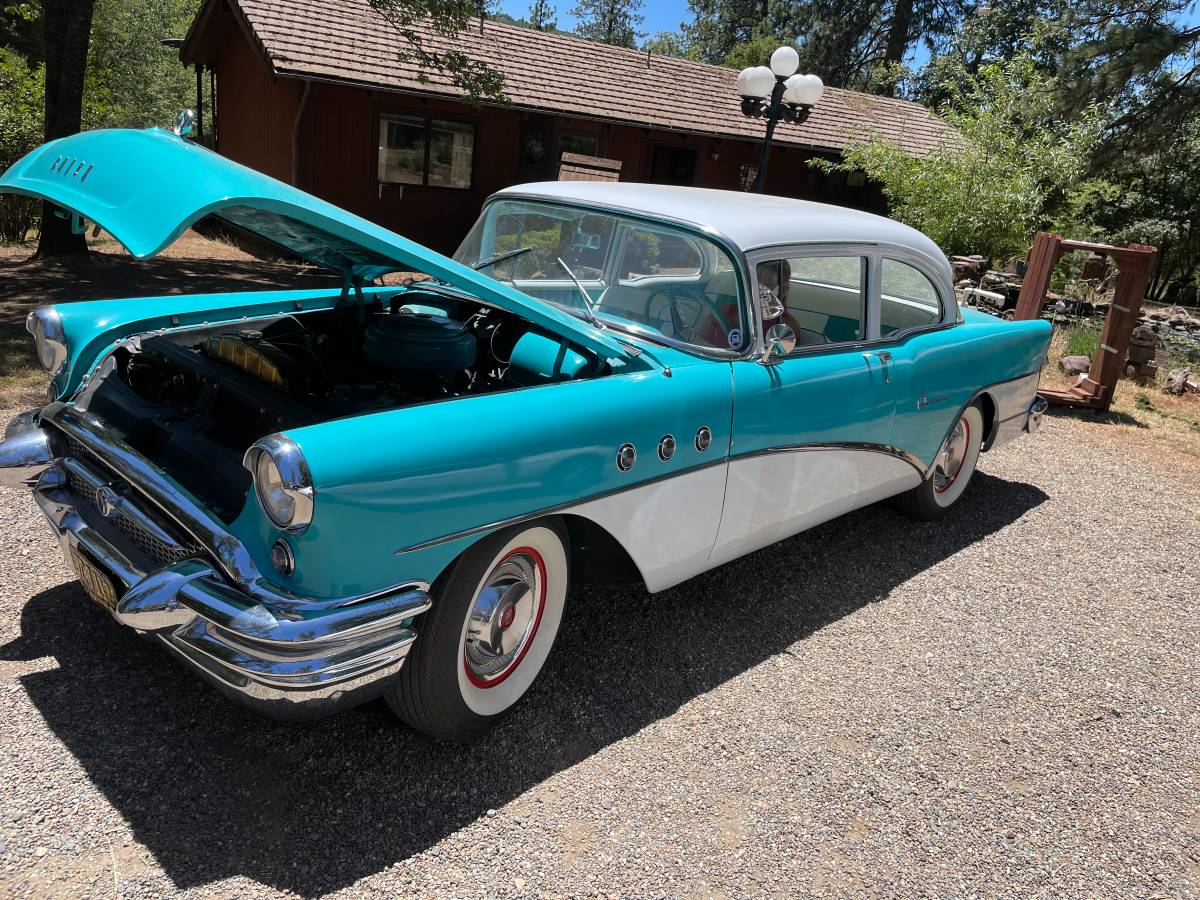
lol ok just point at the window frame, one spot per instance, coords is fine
(875, 253)
(427, 117)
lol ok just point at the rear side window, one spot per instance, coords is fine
(907, 299)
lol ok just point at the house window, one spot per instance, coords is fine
(419, 150)
(583, 144)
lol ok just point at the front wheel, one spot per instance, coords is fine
(952, 470)
(480, 647)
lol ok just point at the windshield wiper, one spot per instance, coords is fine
(588, 302)
(500, 257)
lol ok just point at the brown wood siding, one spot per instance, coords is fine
(339, 138)
(256, 110)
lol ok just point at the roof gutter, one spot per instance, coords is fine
(296, 133)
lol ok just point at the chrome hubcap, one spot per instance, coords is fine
(952, 456)
(504, 617)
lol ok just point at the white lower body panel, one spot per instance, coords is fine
(668, 527)
(781, 493)
(679, 527)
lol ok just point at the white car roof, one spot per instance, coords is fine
(750, 221)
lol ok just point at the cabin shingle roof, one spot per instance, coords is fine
(347, 41)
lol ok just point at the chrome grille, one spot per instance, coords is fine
(159, 550)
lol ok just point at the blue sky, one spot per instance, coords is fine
(661, 15)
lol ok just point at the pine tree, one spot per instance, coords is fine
(609, 21)
(541, 16)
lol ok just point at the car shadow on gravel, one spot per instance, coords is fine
(214, 791)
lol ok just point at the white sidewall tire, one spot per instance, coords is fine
(949, 497)
(497, 699)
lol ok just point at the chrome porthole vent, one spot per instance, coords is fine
(666, 447)
(703, 438)
(626, 457)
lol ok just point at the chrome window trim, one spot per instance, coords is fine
(876, 252)
(811, 250)
(736, 254)
(946, 303)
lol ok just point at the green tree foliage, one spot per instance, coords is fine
(849, 43)
(1149, 198)
(668, 43)
(447, 19)
(21, 109)
(542, 16)
(609, 21)
(991, 190)
(133, 80)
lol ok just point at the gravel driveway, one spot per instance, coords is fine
(1004, 703)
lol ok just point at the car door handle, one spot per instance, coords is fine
(885, 361)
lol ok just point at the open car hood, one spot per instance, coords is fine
(146, 188)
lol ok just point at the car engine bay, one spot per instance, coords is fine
(193, 401)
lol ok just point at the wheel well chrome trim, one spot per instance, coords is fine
(994, 426)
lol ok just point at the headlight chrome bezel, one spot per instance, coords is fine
(295, 481)
(45, 325)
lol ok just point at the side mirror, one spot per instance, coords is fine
(781, 341)
(772, 306)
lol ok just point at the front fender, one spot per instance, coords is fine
(400, 494)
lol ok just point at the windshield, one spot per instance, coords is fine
(646, 277)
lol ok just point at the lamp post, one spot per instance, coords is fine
(777, 93)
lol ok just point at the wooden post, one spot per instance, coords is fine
(1133, 264)
(1043, 255)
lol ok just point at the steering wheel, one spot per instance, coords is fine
(681, 327)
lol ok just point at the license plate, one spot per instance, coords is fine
(97, 584)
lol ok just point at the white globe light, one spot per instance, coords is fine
(803, 90)
(785, 61)
(758, 82)
(743, 82)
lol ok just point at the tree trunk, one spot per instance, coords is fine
(67, 25)
(898, 37)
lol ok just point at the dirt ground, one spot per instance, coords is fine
(1001, 704)
(1140, 416)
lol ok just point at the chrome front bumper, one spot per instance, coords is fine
(1037, 409)
(287, 656)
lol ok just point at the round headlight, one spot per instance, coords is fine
(275, 500)
(282, 482)
(45, 324)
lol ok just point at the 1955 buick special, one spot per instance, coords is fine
(317, 497)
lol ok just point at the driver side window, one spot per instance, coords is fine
(823, 298)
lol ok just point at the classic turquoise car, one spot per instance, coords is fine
(317, 497)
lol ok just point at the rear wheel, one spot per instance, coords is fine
(952, 470)
(483, 643)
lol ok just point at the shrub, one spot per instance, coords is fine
(1082, 342)
(21, 103)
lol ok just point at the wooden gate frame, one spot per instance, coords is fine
(1134, 264)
